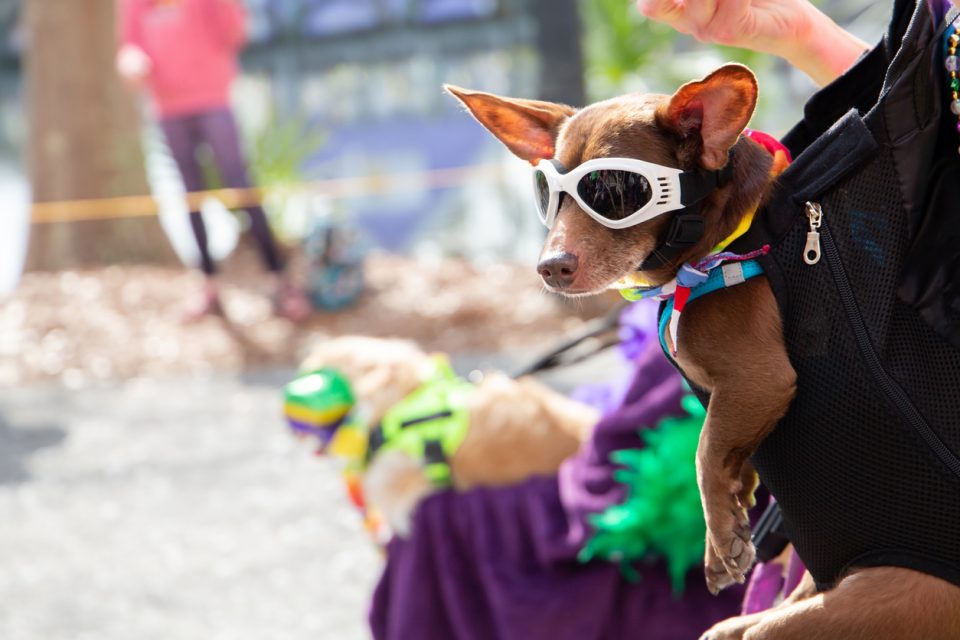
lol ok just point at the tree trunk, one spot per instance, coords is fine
(84, 137)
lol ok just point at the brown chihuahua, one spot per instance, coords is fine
(601, 233)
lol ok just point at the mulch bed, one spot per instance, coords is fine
(120, 322)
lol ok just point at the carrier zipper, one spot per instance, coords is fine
(811, 251)
(893, 391)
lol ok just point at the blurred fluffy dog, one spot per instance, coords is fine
(516, 428)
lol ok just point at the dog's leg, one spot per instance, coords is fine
(741, 413)
(735, 628)
(744, 365)
(883, 603)
(717, 574)
(721, 457)
(395, 484)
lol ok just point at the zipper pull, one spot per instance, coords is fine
(811, 252)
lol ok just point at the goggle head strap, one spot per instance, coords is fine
(697, 185)
(687, 225)
(685, 230)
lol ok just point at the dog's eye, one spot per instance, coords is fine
(614, 194)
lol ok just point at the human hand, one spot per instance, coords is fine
(792, 29)
(133, 65)
(770, 26)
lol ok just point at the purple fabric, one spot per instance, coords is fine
(765, 587)
(605, 397)
(216, 129)
(941, 9)
(770, 583)
(795, 571)
(500, 564)
(638, 323)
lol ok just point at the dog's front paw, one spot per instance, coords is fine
(730, 552)
(715, 572)
(734, 555)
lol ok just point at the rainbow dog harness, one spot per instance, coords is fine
(719, 269)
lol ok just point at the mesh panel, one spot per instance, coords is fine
(871, 236)
(929, 370)
(857, 484)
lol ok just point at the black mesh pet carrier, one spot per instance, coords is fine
(866, 464)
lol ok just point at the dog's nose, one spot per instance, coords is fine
(558, 270)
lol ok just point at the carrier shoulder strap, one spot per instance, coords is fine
(890, 94)
(861, 86)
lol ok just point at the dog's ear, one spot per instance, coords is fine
(528, 128)
(716, 109)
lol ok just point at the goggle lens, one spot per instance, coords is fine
(542, 191)
(613, 193)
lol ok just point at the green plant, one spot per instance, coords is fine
(626, 52)
(618, 41)
(280, 151)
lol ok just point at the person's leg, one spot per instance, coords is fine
(220, 132)
(182, 141)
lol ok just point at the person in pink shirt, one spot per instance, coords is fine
(184, 53)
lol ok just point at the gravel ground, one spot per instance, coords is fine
(148, 487)
(172, 510)
(180, 509)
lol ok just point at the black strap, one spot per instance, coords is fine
(593, 329)
(769, 537)
(433, 453)
(687, 225)
(685, 230)
(374, 441)
(430, 418)
(697, 185)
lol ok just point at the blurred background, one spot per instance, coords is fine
(147, 486)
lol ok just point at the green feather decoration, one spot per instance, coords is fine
(661, 516)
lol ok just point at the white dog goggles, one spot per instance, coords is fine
(620, 192)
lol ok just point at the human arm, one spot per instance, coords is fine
(792, 29)
(132, 62)
(129, 15)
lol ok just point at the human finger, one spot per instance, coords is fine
(700, 14)
(670, 12)
(729, 21)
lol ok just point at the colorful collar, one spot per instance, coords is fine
(729, 275)
(692, 275)
(695, 276)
